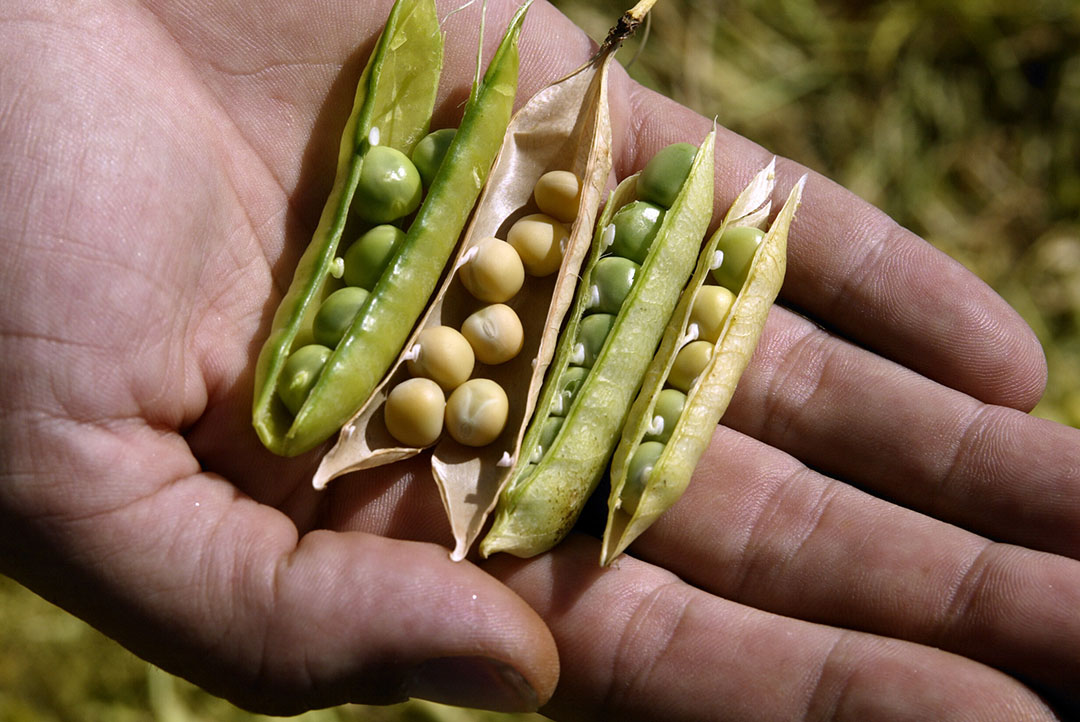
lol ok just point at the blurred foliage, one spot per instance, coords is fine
(958, 118)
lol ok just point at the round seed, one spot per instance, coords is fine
(539, 239)
(494, 273)
(569, 383)
(710, 310)
(549, 431)
(299, 375)
(612, 279)
(369, 255)
(663, 177)
(592, 332)
(476, 412)
(637, 474)
(495, 333)
(389, 186)
(442, 355)
(669, 406)
(557, 194)
(413, 412)
(689, 363)
(428, 154)
(636, 225)
(336, 314)
(739, 245)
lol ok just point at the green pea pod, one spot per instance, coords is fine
(396, 95)
(543, 500)
(646, 483)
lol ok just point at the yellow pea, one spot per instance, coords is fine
(413, 412)
(539, 239)
(494, 272)
(557, 194)
(710, 310)
(443, 355)
(495, 333)
(689, 363)
(476, 412)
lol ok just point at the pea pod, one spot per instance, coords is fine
(550, 485)
(659, 448)
(562, 135)
(392, 108)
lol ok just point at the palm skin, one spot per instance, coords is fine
(163, 167)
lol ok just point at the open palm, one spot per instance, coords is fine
(163, 166)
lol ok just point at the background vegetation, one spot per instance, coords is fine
(958, 117)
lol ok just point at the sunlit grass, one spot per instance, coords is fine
(958, 118)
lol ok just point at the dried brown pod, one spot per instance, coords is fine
(564, 127)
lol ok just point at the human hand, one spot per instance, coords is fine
(165, 169)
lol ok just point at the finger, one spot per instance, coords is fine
(218, 588)
(786, 539)
(858, 417)
(679, 653)
(852, 269)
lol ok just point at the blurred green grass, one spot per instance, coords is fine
(959, 118)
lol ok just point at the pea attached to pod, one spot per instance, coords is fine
(389, 186)
(428, 154)
(368, 256)
(337, 313)
(662, 178)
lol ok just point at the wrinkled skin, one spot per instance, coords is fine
(878, 531)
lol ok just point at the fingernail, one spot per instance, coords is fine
(477, 682)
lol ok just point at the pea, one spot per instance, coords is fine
(549, 431)
(336, 315)
(389, 187)
(539, 239)
(494, 273)
(413, 412)
(709, 311)
(666, 412)
(689, 363)
(369, 255)
(738, 245)
(428, 154)
(636, 225)
(592, 332)
(301, 371)
(612, 279)
(664, 175)
(476, 412)
(558, 193)
(443, 355)
(637, 475)
(569, 383)
(495, 333)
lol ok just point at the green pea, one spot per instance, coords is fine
(369, 256)
(592, 332)
(669, 406)
(428, 154)
(662, 179)
(612, 279)
(389, 187)
(637, 475)
(569, 383)
(738, 245)
(550, 430)
(709, 311)
(636, 225)
(300, 373)
(336, 315)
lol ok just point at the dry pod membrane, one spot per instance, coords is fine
(643, 253)
(509, 289)
(705, 350)
(348, 312)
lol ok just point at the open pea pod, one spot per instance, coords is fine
(604, 350)
(393, 107)
(705, 350)
(563, 131)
